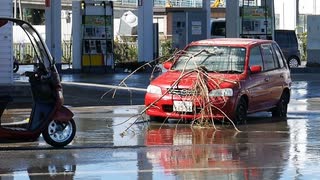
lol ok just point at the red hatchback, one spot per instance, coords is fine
(221, 78)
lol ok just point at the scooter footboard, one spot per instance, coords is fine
(63, 114)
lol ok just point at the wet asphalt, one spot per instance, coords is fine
(114, 142)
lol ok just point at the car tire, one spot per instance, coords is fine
(293, 62)
(241, 112)
(158, 119)
(281, 109)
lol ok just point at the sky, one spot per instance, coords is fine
(309, 7)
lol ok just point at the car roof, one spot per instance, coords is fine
(236, 42)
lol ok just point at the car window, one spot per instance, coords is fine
(269, 61)
(213, 58)
(281, 38)
(279, 55)
(292, 39)
(286, 39)
(218, 29)
(255, 57)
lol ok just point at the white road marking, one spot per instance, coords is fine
(104, 86)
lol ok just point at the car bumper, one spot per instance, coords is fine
(218, 108)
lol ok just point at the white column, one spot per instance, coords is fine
(53, 30)
(76, 35)
(232, 19)
(206, 7)
(145, 30)
(6, 44)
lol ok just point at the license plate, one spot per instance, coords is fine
(182, 106)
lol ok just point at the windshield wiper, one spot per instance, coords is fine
(230, 71)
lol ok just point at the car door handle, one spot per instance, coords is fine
(281, 76)
(266, 79)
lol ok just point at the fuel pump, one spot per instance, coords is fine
(257, 21)
(188, 24)
(96, 37)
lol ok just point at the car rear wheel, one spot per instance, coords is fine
(281, 109)
(241, 111)
(158, 119)
(293, 62)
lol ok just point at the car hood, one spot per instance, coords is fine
(187, 79)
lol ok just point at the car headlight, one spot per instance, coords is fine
(154, 89)
(221, 92)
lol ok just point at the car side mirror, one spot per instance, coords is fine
(167, 65)
(255, 69)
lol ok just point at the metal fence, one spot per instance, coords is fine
(25, 54)
(162, 3)
(158, 3)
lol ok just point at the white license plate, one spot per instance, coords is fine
(182, 106)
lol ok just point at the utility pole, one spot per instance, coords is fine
(20, 10)
(53, 29)
(15, 8)
(232, 19)
(297, 13)
(145, 30)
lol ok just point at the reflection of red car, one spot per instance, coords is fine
(194, 149)
(222, 77)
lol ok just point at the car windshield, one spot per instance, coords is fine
(221, 59)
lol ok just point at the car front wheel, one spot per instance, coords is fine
(241, 111)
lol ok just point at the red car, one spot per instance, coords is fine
(221, 78)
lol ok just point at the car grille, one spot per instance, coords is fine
(182, 92)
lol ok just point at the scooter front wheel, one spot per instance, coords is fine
(59, 134)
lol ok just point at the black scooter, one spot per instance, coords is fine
(48, 115)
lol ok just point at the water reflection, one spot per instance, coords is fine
(43, 165)
(219, 154)
(64, 172)
(304, 96)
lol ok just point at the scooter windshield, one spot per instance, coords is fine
(41, 51)
(40, 48)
